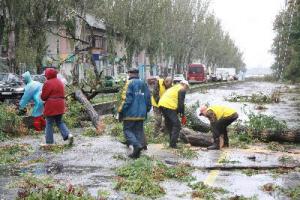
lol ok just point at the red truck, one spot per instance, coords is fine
(196, 73)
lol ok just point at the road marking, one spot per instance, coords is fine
(213, 174)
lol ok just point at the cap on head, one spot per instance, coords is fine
(203, 110)
(133, 71)
(185, 82)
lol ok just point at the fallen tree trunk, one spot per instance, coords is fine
(194, 122)
(92, 113)
(195, 138)
(238, 167)
(286, 136)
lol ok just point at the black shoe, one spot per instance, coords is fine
(226, 145)
(213, 147)
(136, 153)
(173, 146)
(145, 147)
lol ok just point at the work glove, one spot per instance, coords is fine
(183, 120)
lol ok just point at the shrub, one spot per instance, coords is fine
(74, 113)
(11, 123)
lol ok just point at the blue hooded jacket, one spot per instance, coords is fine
(136, 100)
(32, 92)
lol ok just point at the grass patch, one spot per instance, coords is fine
(287, 160)
(56, 148)
(257, 98)
(143, 175)
(206, 192)
(241, 197)
(185, 151)
(292, 193)
(225, 160)
(34, 188)
(10, 154)
(91, 132)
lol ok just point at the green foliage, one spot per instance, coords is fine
(10, 154)
(73, 116)
(56, 148)
(91, 132)
(186, 152)
(203, 191)
(292, 192)
(34, 188)
(286, 45)
(143, 175)
(259, 123)
(257, 98)
(11, 123)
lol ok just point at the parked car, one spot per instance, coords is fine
(178, 77)
(39, 78)
(11, 87)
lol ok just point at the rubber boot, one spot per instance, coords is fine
(215, 145)
(136, 152)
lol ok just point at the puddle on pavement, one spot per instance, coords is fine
(287, 109)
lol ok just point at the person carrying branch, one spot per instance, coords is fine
(136, 103)
(32, 93)
(171, 104)
(220, 117)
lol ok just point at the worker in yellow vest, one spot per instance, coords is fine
(171, 104)
(220, 117)
(159, 88)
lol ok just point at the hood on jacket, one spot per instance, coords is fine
(50, 73)
(27, 77)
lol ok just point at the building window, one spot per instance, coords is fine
(97, 42)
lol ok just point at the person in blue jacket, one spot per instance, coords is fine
(136, 103)
(32, 93)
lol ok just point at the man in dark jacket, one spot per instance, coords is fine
(136, 103)
(53, 94)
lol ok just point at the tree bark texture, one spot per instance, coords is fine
(195, 138)
(286, 136)
(92, 113)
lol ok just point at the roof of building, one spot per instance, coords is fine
(94, 22)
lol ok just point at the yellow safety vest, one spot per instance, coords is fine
(222, 111)
(162, 90)
(170, 98)
(123, 96)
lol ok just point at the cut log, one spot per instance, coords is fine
(92, 113)
(286, 136)
(195, 138)
(237, 167)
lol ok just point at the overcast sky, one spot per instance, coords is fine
(250, 25)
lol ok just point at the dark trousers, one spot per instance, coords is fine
(172, 125)
(220, 127)
(134, 133)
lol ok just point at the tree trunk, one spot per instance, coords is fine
(195, 138)
(286, 136)
(92, 113)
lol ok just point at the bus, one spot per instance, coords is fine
(196, 73)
